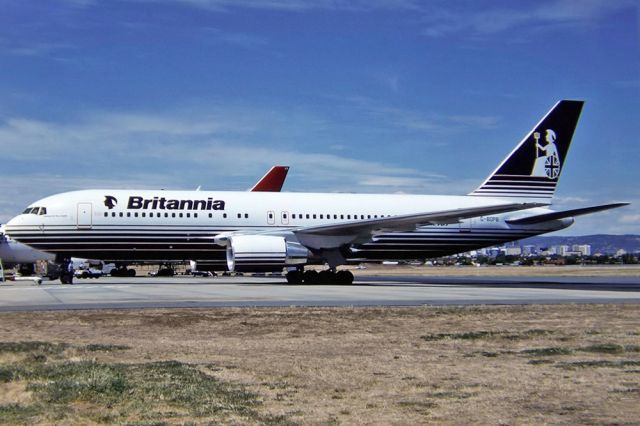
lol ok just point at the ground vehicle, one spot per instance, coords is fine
(202, 273)
(88, 273)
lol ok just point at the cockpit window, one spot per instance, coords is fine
(35, 210)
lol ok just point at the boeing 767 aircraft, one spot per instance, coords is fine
(270, 231)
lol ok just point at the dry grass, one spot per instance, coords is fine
(577, 364)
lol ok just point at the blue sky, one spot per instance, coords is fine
(356, 96)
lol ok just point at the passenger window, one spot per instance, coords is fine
(121, 214)
(113, 214)
(135, 214)
(128, 214)
(314, 216)
(144, 214)
(106, 214)
(210, 215)
(173, 215)
(188, 214)
(224, 215)
(195, 215)
(180, 214)
(246, 215)
(166, 215)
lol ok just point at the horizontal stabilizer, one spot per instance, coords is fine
(531, 220)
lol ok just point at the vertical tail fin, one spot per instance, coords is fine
(532, 170)
(272, 181)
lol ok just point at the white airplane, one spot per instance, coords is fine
(269, 231)
(14, 253)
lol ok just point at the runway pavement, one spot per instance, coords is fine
(148, 292)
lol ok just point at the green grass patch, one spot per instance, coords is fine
(17, 413)
(551, 351)
(99, 347)
(35, 346)
(540, 361)
(604, 348)
(487, 334)
(598, 364)
(147, 393)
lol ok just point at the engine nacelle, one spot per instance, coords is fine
(263, 253)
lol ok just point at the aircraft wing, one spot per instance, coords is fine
(545, 217)
(334, 235)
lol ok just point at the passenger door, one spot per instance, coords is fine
(85, 211)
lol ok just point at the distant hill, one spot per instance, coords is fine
(600, 243)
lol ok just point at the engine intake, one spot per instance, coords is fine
(263, 253)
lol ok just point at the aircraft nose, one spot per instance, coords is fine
(18, 220)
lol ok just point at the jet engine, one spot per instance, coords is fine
(263, 253)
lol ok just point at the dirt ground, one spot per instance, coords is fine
(573, 364)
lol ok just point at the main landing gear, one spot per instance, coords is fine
(327, 276)
(123, 271)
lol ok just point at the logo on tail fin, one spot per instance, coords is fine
(547, 164)
(533, 168)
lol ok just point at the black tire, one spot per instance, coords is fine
(326, 277)
(310, 277)
(294, 277)
(131, 273)
(344, 277)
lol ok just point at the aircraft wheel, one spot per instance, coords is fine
(311, 277)
(344, 277)
(326, 277)
(294, 277)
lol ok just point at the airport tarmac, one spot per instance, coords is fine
(181, 292)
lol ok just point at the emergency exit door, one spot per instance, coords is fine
(84, 215)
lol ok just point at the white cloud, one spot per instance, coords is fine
(445, 20)
(633, 219)
(298, 5)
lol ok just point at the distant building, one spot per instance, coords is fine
(512, 251)
(583, 249)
